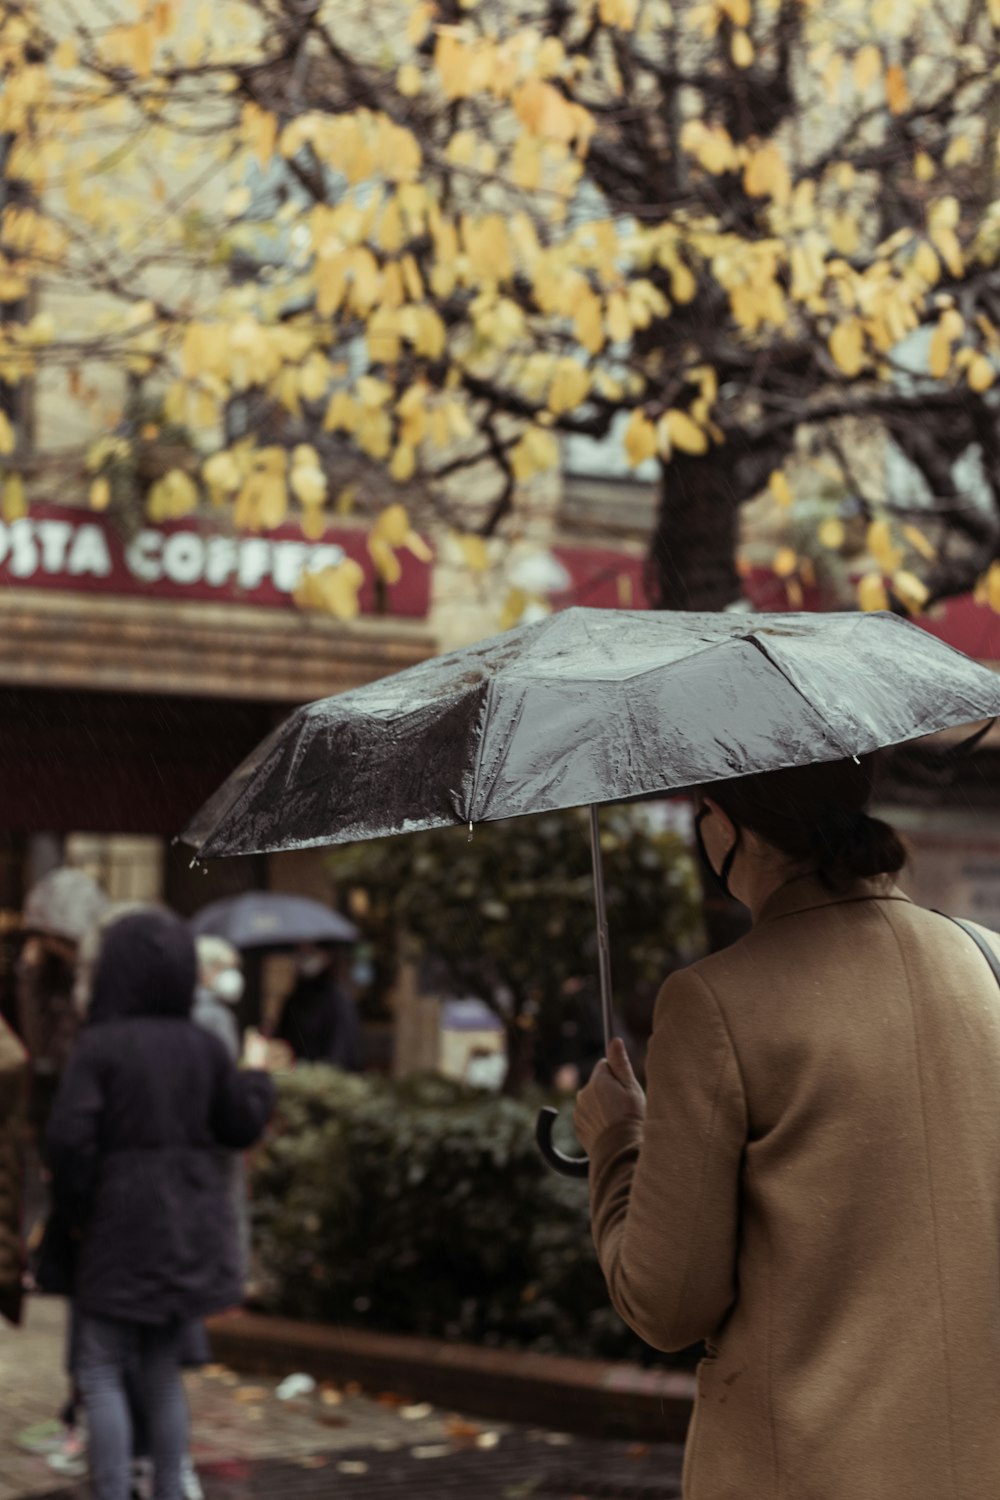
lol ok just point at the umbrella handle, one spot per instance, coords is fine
(566, 1166)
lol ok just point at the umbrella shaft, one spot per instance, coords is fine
(603, 943)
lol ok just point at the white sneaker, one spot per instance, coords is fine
(142, 1479)
(190, 1483)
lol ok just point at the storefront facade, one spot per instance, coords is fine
(136, 673)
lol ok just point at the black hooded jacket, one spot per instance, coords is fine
(145, 1103)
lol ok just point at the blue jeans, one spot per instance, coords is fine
(110, 1354)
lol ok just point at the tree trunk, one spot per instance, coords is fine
(692, 556)
(692, 565)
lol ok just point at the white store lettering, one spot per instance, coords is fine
(142, 556)
(56, 547)
(184, 557)
(89, 555)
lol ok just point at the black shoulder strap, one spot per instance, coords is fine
(979, 941)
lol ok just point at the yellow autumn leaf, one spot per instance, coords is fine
(588, 323)
(960, 151)
(926, 263)
(741, 49)
(569, 387)
(13, 502)
(392, 525)
(403, 463)
(981, 374)
(924, 169)
(308, 483)
(847, 347)
(897, 92)
(417, 547)
(100, 493)
(784, 562)
(992, 589)
(8, 441)
(939, 357)
(872, 592)
(683, 286)
(880, 544)
(409, 80)
(910, 590)
(475, 553)
(845, 236)
(65, 55)
(832, 533)
(386, 562)
(640, 439)
(619, 319)
(419, 24)
(513, 609)
(867, 67)
(780, 488)
(767, 174)
(920, 543)
(683, 433)
(333, 591)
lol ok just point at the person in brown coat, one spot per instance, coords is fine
(812, 1182)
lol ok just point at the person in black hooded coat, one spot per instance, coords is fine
(146, 1102)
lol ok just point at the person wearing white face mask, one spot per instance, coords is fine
(220, 988)
(218, 991)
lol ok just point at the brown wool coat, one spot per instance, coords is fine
(816, 1192)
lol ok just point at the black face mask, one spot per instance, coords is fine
(720, 877)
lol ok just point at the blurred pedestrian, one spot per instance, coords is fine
(812, 1185)
(58, 912)
(219, 989)
(13, 1098)
(146, 1103)
(319, 1020)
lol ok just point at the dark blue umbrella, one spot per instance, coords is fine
(271, 919)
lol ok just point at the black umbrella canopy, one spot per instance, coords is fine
(590, 706)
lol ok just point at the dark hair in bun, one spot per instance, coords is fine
(817, 815)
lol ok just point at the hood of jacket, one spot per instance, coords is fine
(147, 966)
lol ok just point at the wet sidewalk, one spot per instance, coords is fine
(248, 1443)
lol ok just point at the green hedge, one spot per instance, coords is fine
(423, 1207)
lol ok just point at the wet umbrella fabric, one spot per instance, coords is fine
(585, 707)
(590, 706)
(271, 919)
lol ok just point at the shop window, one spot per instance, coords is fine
(126, 867)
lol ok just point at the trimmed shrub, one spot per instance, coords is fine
(423, 1207)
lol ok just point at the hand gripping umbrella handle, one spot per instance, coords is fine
(567, 1166)
(579, 1166)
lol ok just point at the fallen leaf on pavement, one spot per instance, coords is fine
(488, 1440)
(416, 1413)
(294, 1386)
(431, 1450)
(461, 1431)
(352, 1388)
(330, 1395)
(352, 1466)
(314, 1461)
(250, 1394)
(390, 1398)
